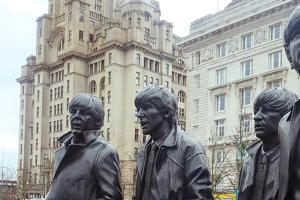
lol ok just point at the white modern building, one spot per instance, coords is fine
(231, 56)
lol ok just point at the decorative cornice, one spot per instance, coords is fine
(200, 36)
(24, 79)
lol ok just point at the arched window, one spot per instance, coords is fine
(181, 97)
(93, 86)
(61, 44)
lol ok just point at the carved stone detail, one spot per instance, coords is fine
(207, 54)
(260, 35)
(233, 45)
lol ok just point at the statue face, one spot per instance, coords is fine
(150, 118)
(82, 119)
(266, 122)
(294, 51)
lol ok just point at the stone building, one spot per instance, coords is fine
(110, 48)
(231, 56)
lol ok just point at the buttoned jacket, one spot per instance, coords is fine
(247, 175)
(87, 171)
(289, 129)
(181, 169)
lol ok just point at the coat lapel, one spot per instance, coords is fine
(250, 173)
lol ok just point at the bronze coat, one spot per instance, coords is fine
(85, 172)
(181, 169)
(247, 175)
(289, 173)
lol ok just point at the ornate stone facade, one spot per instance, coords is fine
(110, 48)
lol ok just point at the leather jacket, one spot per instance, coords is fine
(181, 169)
(289, 167)
(87, 171)
(247, 175)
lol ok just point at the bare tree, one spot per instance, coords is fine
(226, 166)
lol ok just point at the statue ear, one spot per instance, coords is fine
(167, 113)
(99, 124)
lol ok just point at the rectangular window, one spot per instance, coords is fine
(137, 78)
(108, 134)
(80, 35)
(275, 32)
(275, 83)
(247, 41)
(246, 96)
(246, 123)
(40, 50)
(109, 78)
(37, 111)
(156, 66)
(36, 160)
(108, 115)
(110, 58)
(197, 105)
(220, 127)
(38, 96)
(68, 86)
(221, 75)
(218, 155)
(221, 50)
(220, 102)
(151, 80)
(67, 121)
(197, 80)
(198, 61)
(275, 60)
(247, 68)
(167, 69)
(81, 17)
(138, 59)
(37, 128)
(109, 97)
(146, 63)
(50, 127)
(145, 81)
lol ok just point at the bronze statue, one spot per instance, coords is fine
(172, 165)
(289, 127)
(85, 167)
(259, 175)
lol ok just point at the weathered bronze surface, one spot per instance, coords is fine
(85, 167)
(289, 128)
(171, 165)
(259, 175)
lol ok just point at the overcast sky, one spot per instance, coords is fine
(17, 40)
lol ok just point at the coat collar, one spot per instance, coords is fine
(253, 148)
(89, 136)
(69, 149)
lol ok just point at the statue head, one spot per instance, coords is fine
(155, 104)
(292, 39)
(86, 112)
(269, 107)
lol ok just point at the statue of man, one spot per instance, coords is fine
(289, 128)
(259, 175)
(85, 167)
(172, 164)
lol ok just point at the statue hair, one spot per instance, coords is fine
(291, 31)
(161, 97)
(276, 99)
(91, 103)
